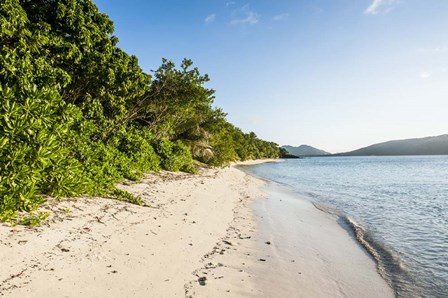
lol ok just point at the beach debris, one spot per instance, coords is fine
(98, 219)
(262, 260)
(13, 276)
(227, 242)
(114, 271)
(201, 280)
(268, 242)
(241, 237)
(65, 249)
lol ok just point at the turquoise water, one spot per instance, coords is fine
(397, 208)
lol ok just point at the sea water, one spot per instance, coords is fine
(397, 208)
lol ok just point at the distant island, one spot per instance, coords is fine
(437, 145)
(304, 150)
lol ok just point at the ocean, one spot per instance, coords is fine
(396, 207)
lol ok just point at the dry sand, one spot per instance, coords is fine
(200, 238)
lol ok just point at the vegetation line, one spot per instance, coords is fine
(78, 114)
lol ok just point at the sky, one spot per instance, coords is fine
(334, 74)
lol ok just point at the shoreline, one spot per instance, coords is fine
(325, 258)
(205, 236)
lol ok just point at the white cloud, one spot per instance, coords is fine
(425, 75)
(210, 18)
(230, 3)
(244, 15)
(435, 50)
(280, 17)
(441, 49)
(378, 6)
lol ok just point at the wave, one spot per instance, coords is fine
(326, 209)
(389, 264)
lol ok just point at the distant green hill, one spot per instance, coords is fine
(304, 150)
(422, 146)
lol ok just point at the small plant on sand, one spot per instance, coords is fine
(126, 197)
(67, 210)
(33, 219)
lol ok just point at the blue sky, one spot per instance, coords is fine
(335, 74)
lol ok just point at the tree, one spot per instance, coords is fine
(78, 114)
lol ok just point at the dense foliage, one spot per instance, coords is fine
(78, 114)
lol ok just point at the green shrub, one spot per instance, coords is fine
(136, 145)
(33, 156)
(175, 156)
(127, 155)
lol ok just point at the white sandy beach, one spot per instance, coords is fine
(201, 238)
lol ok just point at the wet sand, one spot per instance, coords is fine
(311, 252)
